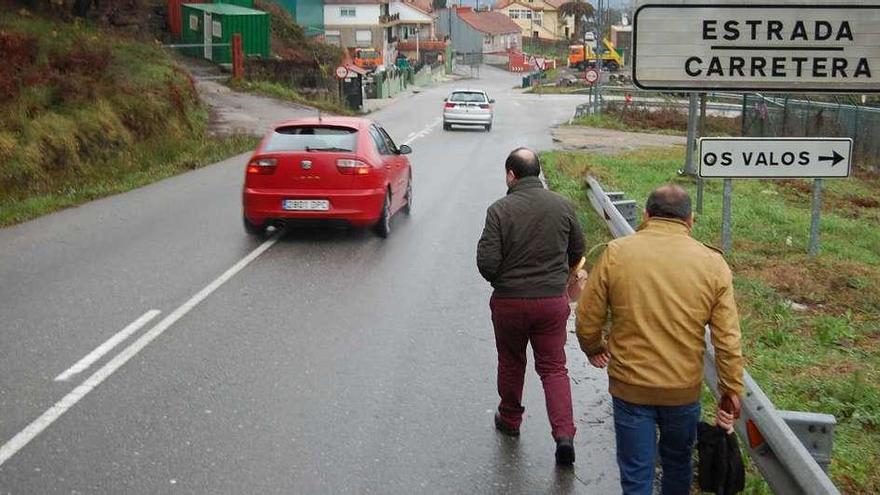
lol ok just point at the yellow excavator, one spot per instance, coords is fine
(610, 60)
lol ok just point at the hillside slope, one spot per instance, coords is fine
(86, 112)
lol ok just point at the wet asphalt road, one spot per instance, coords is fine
(335, 362)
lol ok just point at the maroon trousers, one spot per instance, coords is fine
(540, 321)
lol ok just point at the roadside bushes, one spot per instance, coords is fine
(73, 97)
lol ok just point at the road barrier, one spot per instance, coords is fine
(787, 447)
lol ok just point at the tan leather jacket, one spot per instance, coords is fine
(662, 287)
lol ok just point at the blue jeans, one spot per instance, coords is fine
(636, 429)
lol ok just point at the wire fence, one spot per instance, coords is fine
(805, 116)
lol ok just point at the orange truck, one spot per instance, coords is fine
(578, 59)
(367, 58)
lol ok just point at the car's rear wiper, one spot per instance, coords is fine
(331, 148)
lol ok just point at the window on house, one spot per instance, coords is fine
(539, 18)
(487, 40)
(347, 12)
(363, 37)
(333, 37)
(513, 13)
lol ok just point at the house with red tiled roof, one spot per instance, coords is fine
(538, 18)
(478, 32)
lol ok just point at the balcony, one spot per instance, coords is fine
(389, 19)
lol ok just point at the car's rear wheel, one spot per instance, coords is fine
(383, 227)
(408, 208)
(253, 229)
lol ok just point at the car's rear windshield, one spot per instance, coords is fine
(312, 138)
(468, 97)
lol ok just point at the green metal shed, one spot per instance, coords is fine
(241, 3)
(214, 24)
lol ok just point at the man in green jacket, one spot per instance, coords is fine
(531, 242)
(662, 288)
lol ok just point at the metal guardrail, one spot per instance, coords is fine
(783, 457)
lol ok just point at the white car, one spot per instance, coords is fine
(468, 107)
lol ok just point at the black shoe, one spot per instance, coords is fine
(564, 451)
(503, 427)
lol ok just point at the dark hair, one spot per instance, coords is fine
(669, 201)
(523, 162)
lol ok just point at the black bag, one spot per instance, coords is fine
(720, 468)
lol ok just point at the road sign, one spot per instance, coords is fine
(591, 76)
(341, 72)
(783, 47)
(782, 158)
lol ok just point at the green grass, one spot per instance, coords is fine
(606, 121)
(85, 113)
(282, 92)
(145, 163)
(825, 359)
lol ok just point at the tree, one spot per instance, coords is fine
(578, 10)
(438, 4)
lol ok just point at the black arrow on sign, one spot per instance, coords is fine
(835, 159)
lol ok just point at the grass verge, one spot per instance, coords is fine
(663, 120)
(143, 164)
(825, 358)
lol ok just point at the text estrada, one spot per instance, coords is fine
(757, 51)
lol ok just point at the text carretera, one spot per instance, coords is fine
(812, 49)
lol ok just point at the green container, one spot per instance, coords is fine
(222, 20)
(241, 3)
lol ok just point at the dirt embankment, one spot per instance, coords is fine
(608, 142)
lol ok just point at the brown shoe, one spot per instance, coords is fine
(503, 427)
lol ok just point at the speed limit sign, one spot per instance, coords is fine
(591, 76)
(341, 72)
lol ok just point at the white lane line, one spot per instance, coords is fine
(24, 437)
(424, 132)
(84, 363)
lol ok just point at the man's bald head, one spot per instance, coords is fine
(523, 162)
(669, 201)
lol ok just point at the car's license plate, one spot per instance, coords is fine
(305, 204)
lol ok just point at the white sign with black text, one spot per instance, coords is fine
(760, 47)
(742, 158)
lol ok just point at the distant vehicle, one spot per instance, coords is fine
(610, 60)
(367, 58)
(468, 107)
(327, 170)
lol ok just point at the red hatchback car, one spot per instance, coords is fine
(337, 169)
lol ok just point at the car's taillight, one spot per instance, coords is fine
(352, 167)
(449, 105)
(263, 166)
(484, 106)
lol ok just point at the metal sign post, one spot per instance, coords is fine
(780, 158)
(726, 239)
(689, 167)
(703, 99)
(814, 221)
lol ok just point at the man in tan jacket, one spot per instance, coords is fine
(662, 288)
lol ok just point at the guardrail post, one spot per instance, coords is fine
(237, 57)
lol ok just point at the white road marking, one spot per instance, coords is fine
(424, 132)
(25, 436)
(84, 363)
